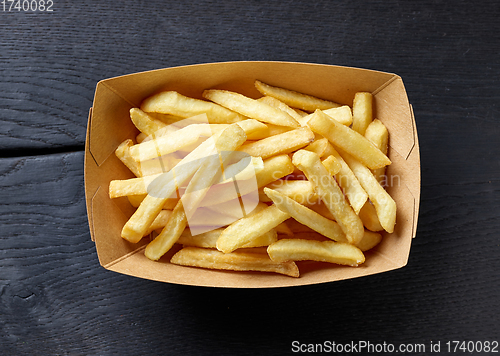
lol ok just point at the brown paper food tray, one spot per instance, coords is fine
(109, 124)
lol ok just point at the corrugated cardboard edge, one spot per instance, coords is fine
(124, 263)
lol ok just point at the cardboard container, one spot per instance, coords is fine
(109, 124)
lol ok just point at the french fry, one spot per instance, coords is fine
(209, 239)
(160, 164)
(310, 250)
(276, 129)
(135, 201)
(341, 114)
(244, 169)
(293, 98)
(368, 216)
(333, 165)
(176, 224)
(243, 231)
(362, 111)
(377, 134)
(383, 202)
(349, 140)
(347, 181)
(250, 107)
(255, 130)
(275, 167)
(302, 191)
(318, 146)
(169, 143)
(235, 261)
(145, 123)
(171, 102)
(330, 193)
(123, 154)
(306, 216)
(370, 240)
(269, 100)
(279, 144)
(133, 186)
(159, 222)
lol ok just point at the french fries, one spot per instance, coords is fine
(349, 140)
(306, 216)
(383, 202)
(330, 193)
(254, 185)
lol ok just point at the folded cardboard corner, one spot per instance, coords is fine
(109, 124)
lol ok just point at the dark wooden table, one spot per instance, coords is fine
(55, 298)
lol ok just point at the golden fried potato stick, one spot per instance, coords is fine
(176, 224)
(377, 134)
(283, 143)
(160, 164)
(330, 193)
(368, 216)
(209, 239)
(145, 123)
(171, 102)
(135, 201)
(159, 222)
(133, 186)
(235, 261)
(250, 107)
(166, 184)
(370, 240)
(306, 216)
(310, 250)
(349, 140)
(243, 231)
(123, 154)
(170, 142)
(341, 114)
(293, 98)
(269, 100)
(383, 202)
(318, 146)
(276, 129)
(362, 111)
(347, 181)
(332, 164)
(302, 191)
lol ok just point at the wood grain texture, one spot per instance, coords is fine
(56, 299)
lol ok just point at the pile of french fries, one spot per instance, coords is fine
(256, 185)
